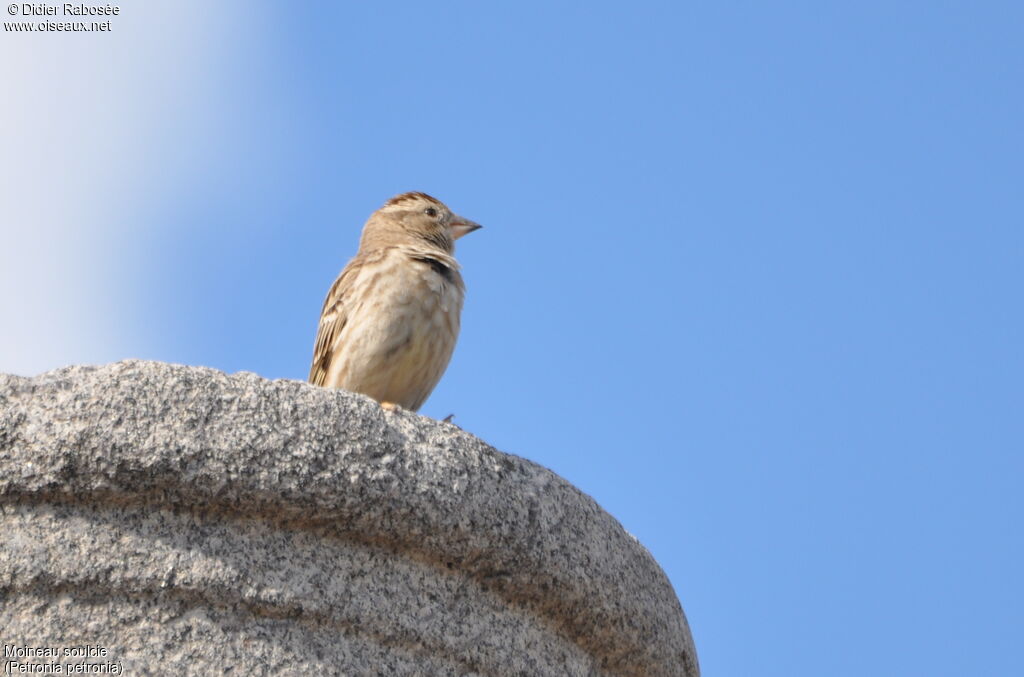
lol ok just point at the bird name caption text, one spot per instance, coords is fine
(65, 10)
(60, 660)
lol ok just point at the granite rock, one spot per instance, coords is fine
(187, 521)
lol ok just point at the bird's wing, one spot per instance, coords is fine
(333, 318)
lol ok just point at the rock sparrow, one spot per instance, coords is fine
(389, 323)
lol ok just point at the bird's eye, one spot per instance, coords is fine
(430, 211)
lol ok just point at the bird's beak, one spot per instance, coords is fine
(460, 226)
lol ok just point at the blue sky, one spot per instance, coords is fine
(750, 275)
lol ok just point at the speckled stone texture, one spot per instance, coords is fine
(194, 522)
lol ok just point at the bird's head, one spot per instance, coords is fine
(415, 218)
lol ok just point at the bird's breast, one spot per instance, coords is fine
(402, 332)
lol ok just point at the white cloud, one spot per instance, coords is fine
(87, 121)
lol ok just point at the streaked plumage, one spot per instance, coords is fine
(390, 321)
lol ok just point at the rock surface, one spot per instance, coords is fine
(187, 521)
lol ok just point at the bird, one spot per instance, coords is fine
(390, 321)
